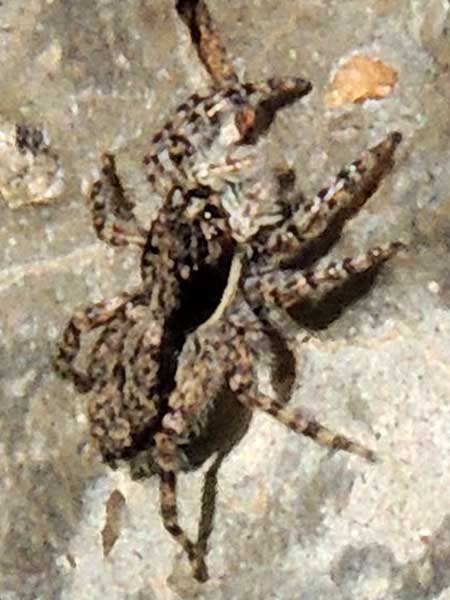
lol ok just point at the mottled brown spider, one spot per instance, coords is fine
(226, 223)
(224, 350)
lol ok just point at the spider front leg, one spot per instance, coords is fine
(287, 288)
(332, 206)
(90, 318)
(108, 200)
(206, 38)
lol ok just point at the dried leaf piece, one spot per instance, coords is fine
(111, 530)
(361, 78)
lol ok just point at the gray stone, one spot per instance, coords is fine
(292, 521)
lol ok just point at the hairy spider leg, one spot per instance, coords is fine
(332, 206)
(244, 337)
(169, 513)
(207, 41)
(211, 51)
(242, 381)
(93, 316)
(352, 188)
(108, 200)
(167, 457)
(289, 287)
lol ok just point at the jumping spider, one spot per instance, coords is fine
(227, 223)
(224, 350)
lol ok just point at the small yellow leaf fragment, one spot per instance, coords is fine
(361, 78)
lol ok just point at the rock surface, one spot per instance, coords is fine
(292, 521)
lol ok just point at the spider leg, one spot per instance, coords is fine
(90, 318)
(208, 504)
(124, 365)
(276, 317)
(289, 287)
(108, 199)
(242, 381)
(265, 99)
(169, 512)
(332, 206)
(206, 39)
(301, 423)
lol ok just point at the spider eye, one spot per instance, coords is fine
(211, 212)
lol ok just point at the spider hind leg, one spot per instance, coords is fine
(169, 513)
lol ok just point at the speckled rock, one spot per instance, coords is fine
(292, 521)
(29, 171)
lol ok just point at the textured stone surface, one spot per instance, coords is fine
(292, 521)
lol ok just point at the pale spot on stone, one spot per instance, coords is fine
(434, 287)
(19, 387)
